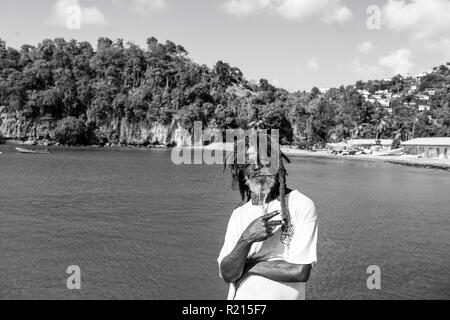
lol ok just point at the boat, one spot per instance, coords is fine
(22, 150)
(396, 152)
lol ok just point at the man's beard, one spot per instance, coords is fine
(262, 186)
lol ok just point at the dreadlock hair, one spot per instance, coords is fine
(238, 176)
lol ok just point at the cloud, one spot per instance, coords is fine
(142, 7)
(338, 15)
(147, 6)
(366, 71)
(245, 7)
(61, 14)
(398, 61)
(329, 11)
(427, 21)
(365, 47)
(424, 18)
(313, 64)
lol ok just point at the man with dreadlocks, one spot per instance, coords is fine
(270, 243)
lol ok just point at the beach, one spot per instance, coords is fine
(405, 160)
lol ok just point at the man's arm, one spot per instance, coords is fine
(281, 271)
(232, 266)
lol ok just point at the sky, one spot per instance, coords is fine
(294, 44)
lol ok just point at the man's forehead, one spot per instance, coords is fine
(252, 153)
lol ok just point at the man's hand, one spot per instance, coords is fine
(232, 266)
(261, 229)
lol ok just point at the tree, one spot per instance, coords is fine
(119, 82)
(226, 75)
(71, 131)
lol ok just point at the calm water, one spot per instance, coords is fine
(140, 227)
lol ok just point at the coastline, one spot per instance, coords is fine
(405, 160)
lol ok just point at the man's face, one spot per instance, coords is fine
(261, 185)
(267, 166)
(260, 177)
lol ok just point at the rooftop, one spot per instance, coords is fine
(444, 141)
(370, 141)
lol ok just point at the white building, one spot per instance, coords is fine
(423, 107)
(419, 77)
(423, 97)
(428, 147)
(369, 143)
(385, 102)
(430, 92)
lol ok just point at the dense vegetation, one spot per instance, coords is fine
(85, 89)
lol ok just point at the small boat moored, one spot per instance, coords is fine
(22, 150)
(396, 152)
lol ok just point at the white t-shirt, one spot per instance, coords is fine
(302, 248)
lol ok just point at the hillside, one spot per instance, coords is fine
(67, 92)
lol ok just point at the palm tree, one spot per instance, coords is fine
(257, 123)
(380, 127)
(359, 130)
(381, 123)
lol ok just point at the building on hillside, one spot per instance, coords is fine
(428, 147)
(423, 107)
(410, 104)
(418, 77)
(385, 102)
(364, 92)
(412, 89)
(369, 143)
(423, 97)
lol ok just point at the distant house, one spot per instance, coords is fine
(418, 77)
(384, 102)
(430, 92)
(368, 143)
(428, 147)
(364, 92)
(423, 97)
(424, 107)
(412, 89)
(410, 104)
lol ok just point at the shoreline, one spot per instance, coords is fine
(405, 160)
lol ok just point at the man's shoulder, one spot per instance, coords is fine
(299, 198)
(302, 204)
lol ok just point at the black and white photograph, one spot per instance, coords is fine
(224, 150)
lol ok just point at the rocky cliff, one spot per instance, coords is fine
(14, 126)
